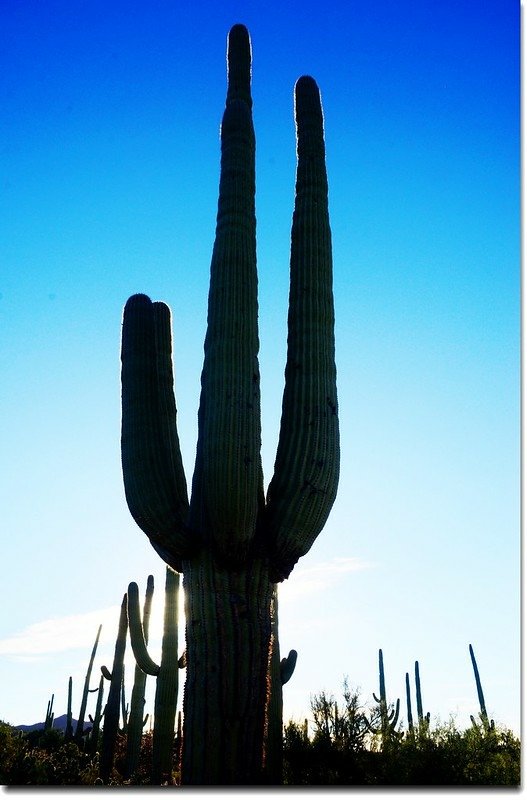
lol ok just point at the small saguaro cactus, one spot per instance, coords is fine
(231, 542)
(409, 706)
(424, 719)
(488, 725)
(93, 741)
(166, 673)
(79, 730)
(388, 716)
(137, 700)
(68, 732)
(50, 715)
(112, 709)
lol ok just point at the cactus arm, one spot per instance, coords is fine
(228, 483)
(287, 666)
(154, 480)
(137, 634)
(304, 484)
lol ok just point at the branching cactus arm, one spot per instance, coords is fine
(228, 483)
(154, 480)
(304, 484)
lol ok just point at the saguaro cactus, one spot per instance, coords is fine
(137, 701)
(79, 731)
(166, 672)
(488, 725)
(93, 741)
(231, 543)
(388, 716)
(112, 709)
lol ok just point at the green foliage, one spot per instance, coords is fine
(42, 758)
(340, 752)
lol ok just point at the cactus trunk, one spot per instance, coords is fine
(226, 690)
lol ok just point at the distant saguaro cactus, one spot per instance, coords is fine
(488, 725)
(79, 731)
(166, 673)
(136, 719)
(112, 709)
(231, 543)
(388, 716)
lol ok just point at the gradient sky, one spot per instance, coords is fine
(110, 169)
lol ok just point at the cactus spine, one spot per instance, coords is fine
(166, 672)
(230, 542)
(112, 710)
(488, 725)
(79, 730)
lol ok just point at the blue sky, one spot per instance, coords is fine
(110, 173)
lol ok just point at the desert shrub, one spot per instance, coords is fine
(342, 751)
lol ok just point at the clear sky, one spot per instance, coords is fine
(110, 169)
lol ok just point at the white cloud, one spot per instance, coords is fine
(60, 634)
(307, 580)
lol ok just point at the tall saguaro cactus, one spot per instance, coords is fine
(231, 543)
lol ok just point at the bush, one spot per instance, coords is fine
(342, 752)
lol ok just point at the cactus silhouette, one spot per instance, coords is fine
(488, 725)
(112, 709)
(388, 716)
(68, 732)
(424, 719)
(137, 700)
(409, 706)
(50, 715)
(166, 672)
(79, 730)
(93, 742)
(231, 542)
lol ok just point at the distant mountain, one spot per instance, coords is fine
(58, 722)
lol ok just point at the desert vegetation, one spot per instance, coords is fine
(334, 747)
